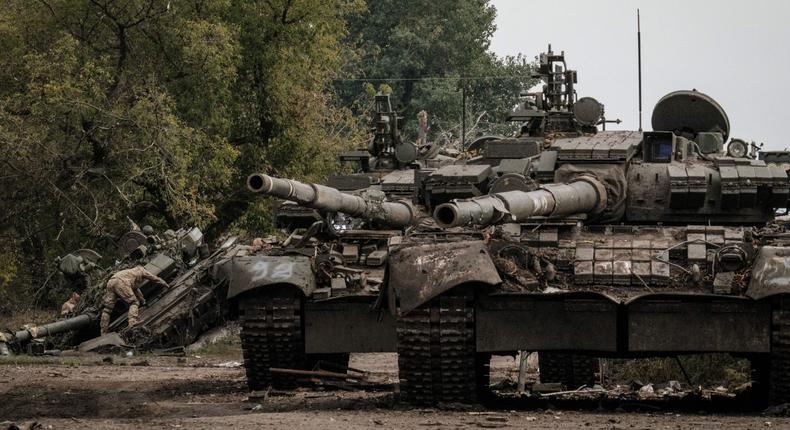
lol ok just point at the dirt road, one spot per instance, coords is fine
(193, 393)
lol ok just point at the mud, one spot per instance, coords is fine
(86, 392)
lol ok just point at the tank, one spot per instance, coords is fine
(171, 318)
(323, 292)
(626, 244)
(314, 296)
(591, 243)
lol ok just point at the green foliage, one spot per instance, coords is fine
(156, 111)
(385, 89)
(446, 42)
(8, 269)
(706, 370)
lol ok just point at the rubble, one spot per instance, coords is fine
(213, 336)
(171, 318)
(543, 388)
(109, 341)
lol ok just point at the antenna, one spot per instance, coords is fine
(639, 61)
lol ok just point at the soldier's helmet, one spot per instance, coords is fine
(148, 230)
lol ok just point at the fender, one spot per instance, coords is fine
(770, 273)
(421, 272)
(246, 273)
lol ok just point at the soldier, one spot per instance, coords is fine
(126, 285)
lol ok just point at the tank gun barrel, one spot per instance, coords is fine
(70, 324)
(321, 197)
(585, 194)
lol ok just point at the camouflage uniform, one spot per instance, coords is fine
(126, 286)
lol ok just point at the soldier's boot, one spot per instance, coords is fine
(133, 315)
(104, 324)
(108, 304)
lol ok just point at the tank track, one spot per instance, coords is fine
(271, 336)
(437, 357)
(571, 370)
(779, 382)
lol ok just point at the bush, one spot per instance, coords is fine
(706, 370)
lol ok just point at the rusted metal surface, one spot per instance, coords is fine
(313, 373)
(770, 273)
(698, 323)
(370, 205)
(535, 322)
(420, 273)
(249, 272)
(108, 340)
(342, 326)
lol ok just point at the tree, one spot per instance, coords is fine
(429, 52)
(156, 111)
(284, 121)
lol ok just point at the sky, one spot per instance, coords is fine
(737, 52)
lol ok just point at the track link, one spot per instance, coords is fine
(271, 336)
(437, 359)
(779, 382)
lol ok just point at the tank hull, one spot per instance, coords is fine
(602, 291)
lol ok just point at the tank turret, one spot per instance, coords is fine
(371, 205)
(678, 174)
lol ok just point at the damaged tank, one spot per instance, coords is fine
(323, 290)
(172, 318)
(175, 316)
(315, 295)
(609, 243)
(630, 244)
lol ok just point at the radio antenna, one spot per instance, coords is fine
(639, 61)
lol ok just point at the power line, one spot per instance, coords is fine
(434, 78)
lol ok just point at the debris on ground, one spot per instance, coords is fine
(646, 391)
(208, 397)
(35, 425)
(550, 387)
(227, 333)
(782, 410)
(110, 342)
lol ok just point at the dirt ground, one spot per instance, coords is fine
(194, 392)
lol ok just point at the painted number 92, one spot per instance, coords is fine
(274, 271)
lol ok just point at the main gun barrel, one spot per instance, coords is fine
(70, 324)
(585, 194)
(321, 197)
